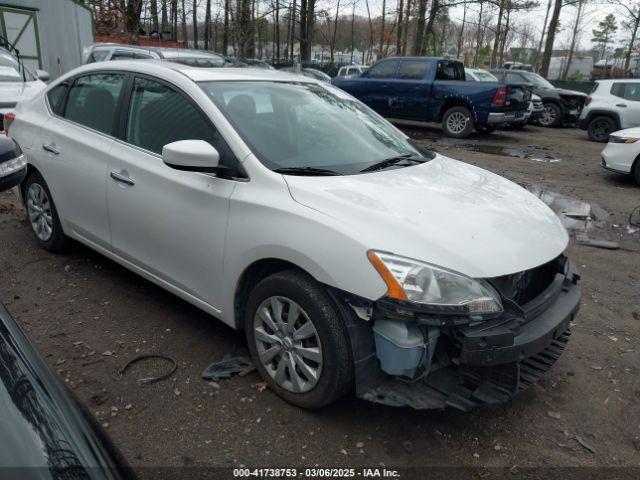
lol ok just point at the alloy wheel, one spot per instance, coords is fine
(288, 344)
(549, 115)
(39, 210)
(601, 130)
(457, 122)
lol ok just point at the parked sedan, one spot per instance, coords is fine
(353, 258)
(560, 106)
(622, 153)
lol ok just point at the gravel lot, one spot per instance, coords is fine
(89, 316)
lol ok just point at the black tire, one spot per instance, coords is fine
(57, 240)
(336, 377)
(636, 171)
(599, 129)
(454, 126)
(551, 116)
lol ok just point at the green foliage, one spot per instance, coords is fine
(606, 28)
(576, 76)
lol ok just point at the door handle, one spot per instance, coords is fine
(122, 178)
(51, 148)
(621, 105)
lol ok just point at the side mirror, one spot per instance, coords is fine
(191, 155)
(43, 75)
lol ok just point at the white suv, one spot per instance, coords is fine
(353, 258)
(612, 105)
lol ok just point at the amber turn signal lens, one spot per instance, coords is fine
(394, 290)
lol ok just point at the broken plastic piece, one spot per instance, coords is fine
(225, 368)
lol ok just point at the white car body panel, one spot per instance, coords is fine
(621, 156)
(195, 234)
(627, 111)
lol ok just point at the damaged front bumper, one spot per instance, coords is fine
(409, 359)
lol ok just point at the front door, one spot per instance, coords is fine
(410, 91)
(169, 223)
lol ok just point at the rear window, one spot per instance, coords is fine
(55, 96)
(412, 70)
(98, 56)
(450, 71)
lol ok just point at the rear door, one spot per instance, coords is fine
(627, 102)
(167, 222)
(76, 143)
(410, 91)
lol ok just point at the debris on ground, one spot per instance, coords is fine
(148, 380)
(584, 239)
(585, 444)
(227, 367)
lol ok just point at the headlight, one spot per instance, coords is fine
(436, 289)
(616, 139)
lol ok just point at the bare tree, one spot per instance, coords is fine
(574, 36)
(631, 23)
(551, 36)
(195, 23)
(207, 26)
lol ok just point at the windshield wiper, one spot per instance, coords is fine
(311, 171)
(391, 161)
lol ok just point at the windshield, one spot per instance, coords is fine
(537, 80)
(11, 71)
(305, 125)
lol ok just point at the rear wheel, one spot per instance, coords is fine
(457, 122)
(42, 214)
(298, 340)
(599, 129)
(551, 115)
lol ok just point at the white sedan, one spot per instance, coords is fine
(622, 153)
(353, 258)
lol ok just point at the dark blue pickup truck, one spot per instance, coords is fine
(425, 89)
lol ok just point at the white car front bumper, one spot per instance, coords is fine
(619, 157)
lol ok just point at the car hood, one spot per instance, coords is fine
(443, 212)
(573, 93)
(13, 92)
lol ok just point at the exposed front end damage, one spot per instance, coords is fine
(404, 357)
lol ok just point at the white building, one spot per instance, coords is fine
(581, 65)
(50, 34)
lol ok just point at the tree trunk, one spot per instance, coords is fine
(576, 26)
(293, 28)
(496, 42)
(335, 33)
(195, 24)
(461, 36)
(407, 18)
(544, 26)
(504, 38)
(165, 19)
(183, 19)
(634, 34)
(305, 48)
(478, 37)
(551, 36)
(132, 20)
(225, 30)
(353, 21)
(174, 20)
(370, 30)
(153, 8)
(399, 32)
(311, 12)
(384, 6)
(277, 27)
(246, 33)
(428, 32)
(207, 26)
(420, 24)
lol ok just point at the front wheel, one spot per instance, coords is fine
(551, 115)
(457, 122)
(298, 340)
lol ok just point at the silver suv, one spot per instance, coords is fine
(101, 52)
(612, 105)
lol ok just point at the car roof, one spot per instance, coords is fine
(169, 53)
(195, 74)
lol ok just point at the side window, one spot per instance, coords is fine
(55, 96)
(98, 56)
(450, 71)
(122, 55)
(386, 69)
(617, 89)
(143, 56)
(159, 115)
(515, 78)
(412, 70)
(92, 101)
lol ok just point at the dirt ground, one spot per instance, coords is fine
(88, 316)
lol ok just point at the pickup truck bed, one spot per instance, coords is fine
(425, 89)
